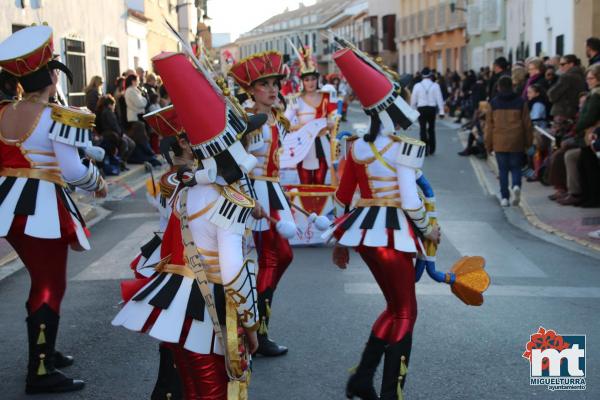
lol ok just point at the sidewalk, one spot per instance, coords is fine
(566, 222)
(118, 186)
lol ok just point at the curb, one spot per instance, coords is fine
(528, 212)
(533, 219)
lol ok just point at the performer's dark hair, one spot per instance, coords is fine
(130, 79)
(373, 129)
(282, 99)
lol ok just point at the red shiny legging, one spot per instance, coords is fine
(313, 177)
(203, 376)
(46, 262)
(395, 274)
(274, 256)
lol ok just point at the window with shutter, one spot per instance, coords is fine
(75, 61)
(111, 67)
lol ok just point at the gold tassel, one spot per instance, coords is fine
(42, 335)
(42, 368)
(352, 370)
(268, 307)
(263, 330)
(403, 372)
(169, 396)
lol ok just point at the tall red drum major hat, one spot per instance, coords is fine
(378, 94)
(268, 64)
(28, 55)
(213, 123)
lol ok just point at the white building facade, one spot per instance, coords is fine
(552, 27)
(86, 43)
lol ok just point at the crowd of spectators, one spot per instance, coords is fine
(539, 117)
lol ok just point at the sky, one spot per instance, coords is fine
(239, 16)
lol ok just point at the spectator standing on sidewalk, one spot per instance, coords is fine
(508, 133)
(592, 50)
(93, 91)
(427, 99)
(500, 69)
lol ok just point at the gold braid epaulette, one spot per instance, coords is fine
(280, 117)
(74, 117)
(406, 139)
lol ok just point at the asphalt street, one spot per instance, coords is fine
(324, 315)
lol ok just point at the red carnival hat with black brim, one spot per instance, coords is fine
(213, 124)
(28, 55)
(264, 65)
(378, 94)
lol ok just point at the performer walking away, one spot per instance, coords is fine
(38, 158)
(427, 98)
(308, 105)
(204, 290)
(259, 75)
(387, 222)
(178, 153)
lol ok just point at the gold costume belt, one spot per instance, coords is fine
(45, 175)
(264, 178)
(213, 273)
(379, 203)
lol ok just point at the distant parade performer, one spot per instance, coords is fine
(203, 301)
(427, 98)
(308, 105)
(38, 160)
(259, 75)
(383, 227)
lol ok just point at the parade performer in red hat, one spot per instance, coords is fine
(202, 302)
(259, 75)
(38, 160)
(308, 105)
(386, 223)
(178, 154)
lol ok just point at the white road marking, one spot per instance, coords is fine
(115, 263)
(135, 215)
(442, 289)
(479, 238)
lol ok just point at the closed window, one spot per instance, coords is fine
(75, 60)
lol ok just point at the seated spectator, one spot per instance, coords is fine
(142, 152)
(106, 120)
(165, 100)
(564, 94)
(134, 100)
(588, 166)
(93, 91)
(508, 133)
(542, 148)
(566, 138)
(111, 165)
(535, 69)
(550, 76)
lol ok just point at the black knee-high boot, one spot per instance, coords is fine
(42, 375)
(360, 383)
(266, 346)
(395, 368)
(60, 360)
(168, 383)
